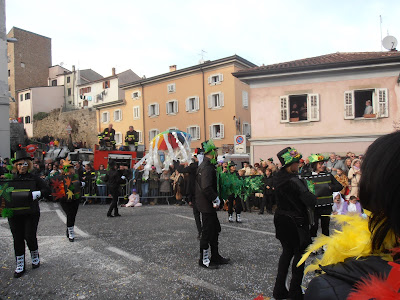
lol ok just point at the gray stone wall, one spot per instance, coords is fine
(83, 123)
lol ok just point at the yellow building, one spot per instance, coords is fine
(204, 100)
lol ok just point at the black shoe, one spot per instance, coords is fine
(18, 275)
(35, 266)
(117, 215)
(67, 233)
(71, 240)
(110, 216)
(211, 266)
(220, 260)
(261, 213)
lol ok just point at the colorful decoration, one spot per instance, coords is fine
(176, 146)
(30, 149)
(64, 187)
(316, 157)
(291, 156)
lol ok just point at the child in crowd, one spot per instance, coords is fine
(134, 200)
(343, 180)
(338, 203)
(353, 207)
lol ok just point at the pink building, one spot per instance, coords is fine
(319, 104)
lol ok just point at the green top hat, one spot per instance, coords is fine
(316, 158)
(288, 156)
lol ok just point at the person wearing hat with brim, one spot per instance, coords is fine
(67, 189)
(292, 220)
(323, 185)
(24, 221)
(207, 201)
(232, 198)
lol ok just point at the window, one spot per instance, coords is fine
(117, 115)
(153, 110)
(9, 73)
(136, 112)
(22, 65)
(69, 91)
(27, 119)
(21, 97)
(246, 129)
(215, 79)
(171, 88)
(217, 131)
(136, 95)
(140, 136)
(106, 84)
(118, 138)
(105, 116)
(192, 104)
(85, 90)
(299, 108)
(54, 82)
(194, 131)
(216, 100)
(68, 79)
(172, 107)
(153, 133)
(245, 99)
(369, 103)
(27, 96)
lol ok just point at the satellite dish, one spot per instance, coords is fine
(389, 42)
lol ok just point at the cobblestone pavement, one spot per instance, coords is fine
(150, 252)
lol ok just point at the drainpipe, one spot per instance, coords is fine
(204, 105)
(144, 123)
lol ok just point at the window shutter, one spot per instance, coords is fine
(139, 94)
(198, 132)
(221, 128)
(349, 105)
(197, 103)
(140, 136)
(245, 99)
(187, 104)
(176, 106)
(221, 77)
(221, 98)
(157, 109)
(211, 132)
(284, 109)
(167, 106)
(209, 79)
(313, 107)
(133, 95)
(249, 129)
(383, 99)
(210, 105)
(149, 110)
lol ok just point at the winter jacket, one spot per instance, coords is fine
(191, 170)
(268, 181)
(206, 186)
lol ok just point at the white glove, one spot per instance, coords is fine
(83, 184)
(36, 195)
(123, 177)
(216, 202)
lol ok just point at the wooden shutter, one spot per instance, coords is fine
(209, 79)
(198, 132)
(313, 107)
(221, 77)
(210, 105)
(157, 109)
(176, 106)
(211, 132)
(149, 110)
(167, 106)
(245, 99)
(187, 103)
(197, 103)
(383, 101)
(349, 105)
(221, 98)
(221, 130)
(284, 109)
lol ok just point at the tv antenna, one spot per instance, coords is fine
(202, 56)
(389, 43)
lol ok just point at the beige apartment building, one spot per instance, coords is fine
(29, 60)
(204, 100)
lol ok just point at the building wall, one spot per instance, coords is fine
(29, 61)
(96, 89)
(332, 132)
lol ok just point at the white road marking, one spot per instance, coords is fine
(234, 227)
(76, 229)
(125, 254)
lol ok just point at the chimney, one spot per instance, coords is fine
(113, 72)
(73, 68)
(172, 68)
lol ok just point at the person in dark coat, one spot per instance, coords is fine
(23, 221)
(369, 271)
(114, 178)
(207, 201)
(191, 170)
(292, 222)
(268, 192)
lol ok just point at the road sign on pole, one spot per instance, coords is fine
(69, 129)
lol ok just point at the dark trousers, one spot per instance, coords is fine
(322, 213)
(280, 290)
(196, 215)
(24, 228)
(267, 201)
(70, 209)
(114, 202)
(238, 205)
(210, 231)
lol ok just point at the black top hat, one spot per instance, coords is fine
(21, 154)
(231, 164)
(112, 164)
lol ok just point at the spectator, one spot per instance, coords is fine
(268, 197)
(294, 113)
(354, 177)
(101, 185)
(353, 207)
(79, 170)
(347, 165)
(338, 203)
(332, 165)
(89, 176)
(165, 184)
(343, 180)
(134, 200)
(246, 168)
(368, 108)
(177, 183)
(153, 184)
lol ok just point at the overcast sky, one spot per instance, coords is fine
(149, 36)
